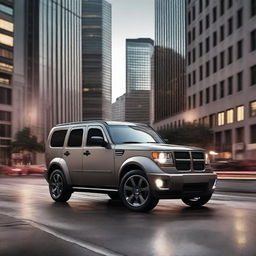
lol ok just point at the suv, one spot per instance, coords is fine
(127, 161)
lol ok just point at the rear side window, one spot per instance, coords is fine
(58, 138)
(75, 138)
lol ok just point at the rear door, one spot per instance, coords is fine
(98, 161)
(73, 154)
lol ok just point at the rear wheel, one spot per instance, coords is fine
(135, 192)
(58, 187)
(197, 201)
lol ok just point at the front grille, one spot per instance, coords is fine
(189, 161)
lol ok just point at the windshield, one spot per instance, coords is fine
(124, 134)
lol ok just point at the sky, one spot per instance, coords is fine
(130, 19)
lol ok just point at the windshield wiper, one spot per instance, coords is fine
(131, 142)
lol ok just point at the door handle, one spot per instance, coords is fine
(66, 153)
(87, 153)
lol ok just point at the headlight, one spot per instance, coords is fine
(207, 159)
(163, 158)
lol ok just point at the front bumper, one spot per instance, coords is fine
(183, 185)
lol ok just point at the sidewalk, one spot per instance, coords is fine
(19, 238)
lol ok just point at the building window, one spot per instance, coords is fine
(230, 3)
(240, 113)
(253, 40)
(5, 79)
(207, 21)
(200, 27)
(212, 120)
(221, 118)
(214, 14)
(201, 98)
(207, 68)
(6, 53)
(207, 44)
(222, 7)
(239, 49)
(222, 59)
(230, 116)
(222, 33)
(5, 96)
(189, 37)
(189, 58)
(6, 25)
(253, 133)
(189, 102)
(214, 92)
(239, 18)
(240, 81)
(239, 134)
(189, 80)
(194, 12)
(193, 33)
(253, 7)
(214, 38)
(200, 6)
(253, 75)
(194, 100)
(6, 9)
(194, 54)
(207, 3)
(6, 67)
(189, 18)
(230, 26)
(222, 89)
(230, 85)
(194, 77)
(200, 49)
(253, 108)
(5, 116)
(230, 54)
(207, 98)
(215, 64)
(201, 72)
(7, 40)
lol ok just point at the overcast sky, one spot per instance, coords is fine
(130, 19)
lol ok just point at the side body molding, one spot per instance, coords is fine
(63, 165)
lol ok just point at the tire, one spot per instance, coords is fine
(58, 187)
(114, 195)
(197, 201)
(135, 192)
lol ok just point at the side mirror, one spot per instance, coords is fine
(98, 141)
(166, 140)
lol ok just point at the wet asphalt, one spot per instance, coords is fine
(91, 224)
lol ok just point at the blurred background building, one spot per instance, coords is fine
(221, 72)
(6, 77)
(135, 104)
(96, 55)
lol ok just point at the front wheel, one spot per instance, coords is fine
(135, 192)
(58, 187)
(197, 201)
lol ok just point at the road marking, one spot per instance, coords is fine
(83, 244)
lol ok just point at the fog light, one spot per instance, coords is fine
(159, 183)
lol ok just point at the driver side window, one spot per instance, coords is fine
(92, 133)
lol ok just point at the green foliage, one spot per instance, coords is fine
(189, 134)
(24, 141)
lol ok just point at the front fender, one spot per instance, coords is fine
(145, 163)
(63, 165)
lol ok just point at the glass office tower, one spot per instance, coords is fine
(96, 49)
(170, 54)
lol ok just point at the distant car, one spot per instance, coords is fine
(22, 169)
(35, 169)
(127, 161)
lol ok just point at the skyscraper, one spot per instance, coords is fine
(6, 76)
(96, 50)
(170, 62)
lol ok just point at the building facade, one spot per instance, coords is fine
(97, 60)
(170, 58)
(118, 109)
(6, 78)
(221, 75)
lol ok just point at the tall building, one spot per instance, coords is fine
(6, 77)
(170, 58)
(96, 50)
(221, 75)
(118, 109)
(139, 79)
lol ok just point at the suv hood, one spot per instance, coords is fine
(156, 147)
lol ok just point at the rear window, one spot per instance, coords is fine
(58, 138)
(75, 138)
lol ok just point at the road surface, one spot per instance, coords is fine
(91, 224)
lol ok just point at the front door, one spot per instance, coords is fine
(98, 161)
(73, 155)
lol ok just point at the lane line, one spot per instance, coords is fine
(83, 244)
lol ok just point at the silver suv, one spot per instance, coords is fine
(127, 161)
